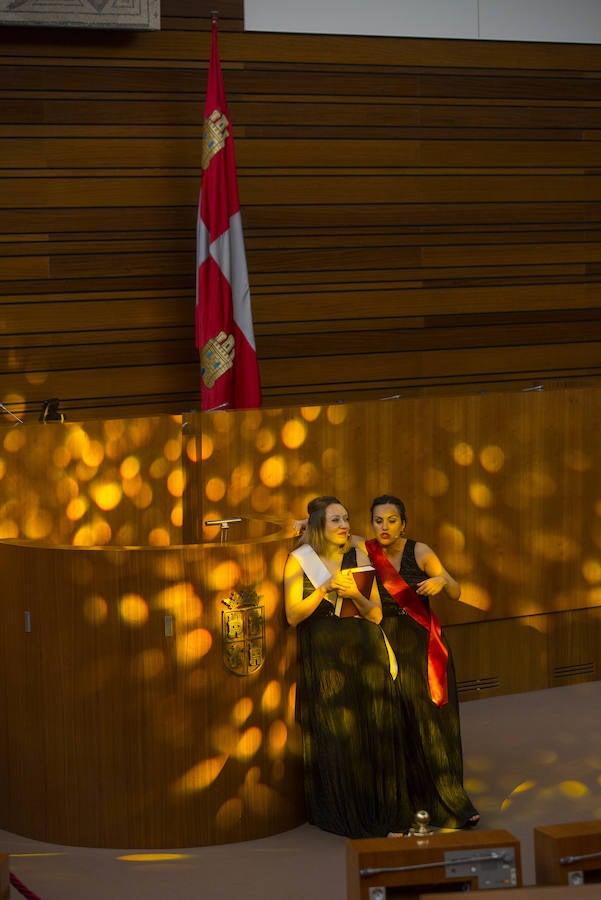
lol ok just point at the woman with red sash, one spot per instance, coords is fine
(409, 573)
(348, 704)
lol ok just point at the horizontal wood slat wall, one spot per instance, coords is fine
(420, 215)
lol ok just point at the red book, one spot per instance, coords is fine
(364, 579)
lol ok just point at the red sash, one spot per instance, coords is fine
(413, 605)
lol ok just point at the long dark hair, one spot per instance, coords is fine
(314, 534)
(392, 501)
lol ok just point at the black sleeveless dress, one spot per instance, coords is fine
(349, 712)
(435, 761)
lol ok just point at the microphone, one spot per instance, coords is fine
(11, 413)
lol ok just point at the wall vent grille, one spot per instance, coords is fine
(478, 684)
(573, 671)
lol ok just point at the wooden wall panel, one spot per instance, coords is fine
(440, 200)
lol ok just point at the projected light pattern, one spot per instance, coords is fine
(506, 492)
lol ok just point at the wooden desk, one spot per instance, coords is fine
(422, 863)
(552, 843)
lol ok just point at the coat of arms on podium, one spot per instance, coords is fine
(243, 632)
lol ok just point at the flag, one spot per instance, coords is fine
(224, 327)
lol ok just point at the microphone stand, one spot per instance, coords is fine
(10, 413)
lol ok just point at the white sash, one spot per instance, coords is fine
(318, 573)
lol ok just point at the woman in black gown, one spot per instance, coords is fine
(408, 574)
(347, 697)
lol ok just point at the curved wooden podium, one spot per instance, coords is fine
(123, 725)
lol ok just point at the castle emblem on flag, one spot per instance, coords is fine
(217, 357)
(214, 136)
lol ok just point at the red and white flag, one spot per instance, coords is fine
(224, 327)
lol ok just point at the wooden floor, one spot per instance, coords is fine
(530, 759)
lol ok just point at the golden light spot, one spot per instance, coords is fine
(492, 458)
(125, 536)
(172, 449)
(106, 496)
(229, 814)
(249, 743)
(133, 609)
(14, 440)
(273, 471)
(207, 445)
(225, 739)
(294, 433)
(474, 786)
(130, 467)
(242, 711)
(578, 461)
(201, 776)
(537, 483)
(523, 787)
(114, 428)
(591, 571)
(8, 529)
(149, 664)
(337, 414)
(215, 489)
(463, 454)
(546, 757)
(84, 537)
(222, 423)
(2, 469)
(193, 646)
(505, 804)
(276, 737)
(77, 441)
(95, 610)
(242, 475)
(480, 495)
(436, 483)
(131, 486)
(142, 498)
(271, 597)
(261, 498)
(61, 457)
(310, 413)
(182, 599)
(159, 537)
(272, 696)
(553, 546)
(158, 468)
(192, 449)
(452, 538)
(84, 472)
(265, 440)
(67, 489)
(223, 576)
(176, 482)
(36, 378)
(177, 515)
(573, 789)
(475, 595)
(330, 459)
(93, 453)
(152, 857)
(251, 422)
(37, 525)
(305, 474)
